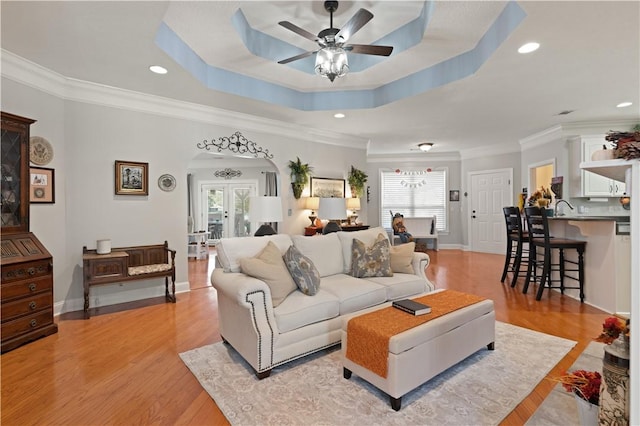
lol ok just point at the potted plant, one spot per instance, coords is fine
(357, 179)
(299, 176)
(585, 386)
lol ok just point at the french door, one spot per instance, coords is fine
(225, 209)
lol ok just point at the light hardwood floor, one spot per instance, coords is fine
(122, 366)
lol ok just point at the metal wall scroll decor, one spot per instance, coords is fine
(235, 143)
(228, 173)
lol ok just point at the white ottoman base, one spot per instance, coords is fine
(423, 352)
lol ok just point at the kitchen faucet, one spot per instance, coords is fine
(555, 210)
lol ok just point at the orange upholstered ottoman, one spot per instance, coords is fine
(397, 357)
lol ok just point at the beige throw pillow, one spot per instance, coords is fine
(269, 267)
(401, 257)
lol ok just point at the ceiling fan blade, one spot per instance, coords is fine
(369, 49)
(296, 29)
(295, 58)
(356, 22)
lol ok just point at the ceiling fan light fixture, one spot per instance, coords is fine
(425, 146)
(332, 62)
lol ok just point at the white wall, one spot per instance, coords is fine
(87, 138)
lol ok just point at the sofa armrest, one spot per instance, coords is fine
(420, 263)
(245, 316)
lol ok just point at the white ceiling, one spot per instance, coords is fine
(588, 62)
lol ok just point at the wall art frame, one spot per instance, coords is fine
(131, 178)
(327, 187)
(42, 188)
(454, 195)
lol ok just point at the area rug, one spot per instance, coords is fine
(481, 390)
(559, 407)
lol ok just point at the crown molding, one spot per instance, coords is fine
(488, 151)
(541, 138)
(35, 76)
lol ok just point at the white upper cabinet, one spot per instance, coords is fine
(591, 184)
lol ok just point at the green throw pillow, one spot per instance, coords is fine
(371, 261)
(302, 270)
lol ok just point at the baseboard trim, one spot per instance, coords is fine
(124, 296)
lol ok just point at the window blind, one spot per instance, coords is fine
(417, 193)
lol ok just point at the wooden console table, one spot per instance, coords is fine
(129, 264)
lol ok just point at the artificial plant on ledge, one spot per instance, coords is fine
(300, 174)
(357, 179)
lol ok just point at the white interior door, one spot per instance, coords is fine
(490, 192)
(225, 209)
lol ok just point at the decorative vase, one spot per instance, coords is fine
(615, 386)
(297, 189)
(587, 412)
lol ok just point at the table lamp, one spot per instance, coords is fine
(334, 210)
(312, 203)
(353, 204)
(265, 209)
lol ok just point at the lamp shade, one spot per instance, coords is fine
(265, 209)
(312, 203)
(353, 203)
(332, 208)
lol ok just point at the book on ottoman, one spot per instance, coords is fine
(411, 306)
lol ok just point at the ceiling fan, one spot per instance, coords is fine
(331, 58)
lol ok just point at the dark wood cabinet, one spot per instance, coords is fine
(26, 291)
(14, 198)
(26, 284)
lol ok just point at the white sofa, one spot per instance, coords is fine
(266, 336)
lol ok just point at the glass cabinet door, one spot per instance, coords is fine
(14, 178)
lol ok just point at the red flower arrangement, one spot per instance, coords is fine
(611, 329)
(585, 384)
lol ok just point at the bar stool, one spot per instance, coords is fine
(516, 250)
(538, 225)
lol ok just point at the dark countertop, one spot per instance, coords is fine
(598, 218)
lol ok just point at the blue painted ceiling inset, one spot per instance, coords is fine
(445, 72)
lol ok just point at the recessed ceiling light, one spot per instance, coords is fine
(158, 69)
(624, 104)
(426, 146)
(338, 115)
(529, 47)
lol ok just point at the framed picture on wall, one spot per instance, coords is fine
(42, 185)
(454, 195)
(132, 178)
(327, 188)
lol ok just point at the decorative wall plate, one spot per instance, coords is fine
(40, 151)
(167, 182)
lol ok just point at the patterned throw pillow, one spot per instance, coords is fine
(303, 271)
(371, 261)
(269, 267)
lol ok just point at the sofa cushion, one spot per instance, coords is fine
(371, 260)
(400, 285)
(231, 250)
(353, 293)
(302, 270)
(367, 236)
(269, 267)
(298, 310)
(324, 251)
(401, 257)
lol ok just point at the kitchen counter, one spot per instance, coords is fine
(616, 218)
(607, 259)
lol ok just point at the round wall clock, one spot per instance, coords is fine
(167, 182)
(40, 151)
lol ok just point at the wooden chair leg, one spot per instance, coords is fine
(507, 259)
(517, 264)
(546, 273)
